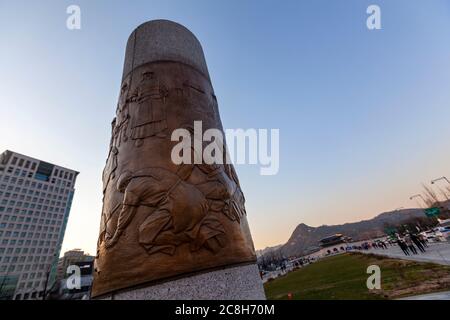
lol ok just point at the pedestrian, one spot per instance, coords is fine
(417, 242)
(410, 244)
(403, 246)
(423, 239)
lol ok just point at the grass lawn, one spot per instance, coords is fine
(344, 277)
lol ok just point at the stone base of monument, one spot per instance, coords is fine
(233, 283)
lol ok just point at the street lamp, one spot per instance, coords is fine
(418, 196)
(415, 196)
(441, 178)
(440, 190)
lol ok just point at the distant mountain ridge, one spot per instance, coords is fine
(267, 250)
(305, 238)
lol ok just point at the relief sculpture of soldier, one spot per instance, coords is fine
(109, 174)
(148, 114)
(162, 220)
(219, 184)
(122, 116)
(187, 204)
(118, 135)
(223, 193)
(183, 207)
(181, 214)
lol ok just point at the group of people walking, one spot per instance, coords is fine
(379, 245)
(409, 241)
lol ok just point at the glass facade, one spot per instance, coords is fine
(35, 202)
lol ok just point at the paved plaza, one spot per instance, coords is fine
(438, 252)
(430, 296)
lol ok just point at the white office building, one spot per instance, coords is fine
(35, 202)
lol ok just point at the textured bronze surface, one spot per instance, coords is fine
(161, 220)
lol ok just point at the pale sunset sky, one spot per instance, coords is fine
(364, 116)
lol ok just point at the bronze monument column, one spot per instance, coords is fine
(169, 231)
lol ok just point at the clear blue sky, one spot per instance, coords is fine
(363, 115)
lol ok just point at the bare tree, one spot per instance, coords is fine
(431, 198)
(444, 194)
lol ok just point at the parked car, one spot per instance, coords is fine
(430, 235)
(443, 232)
